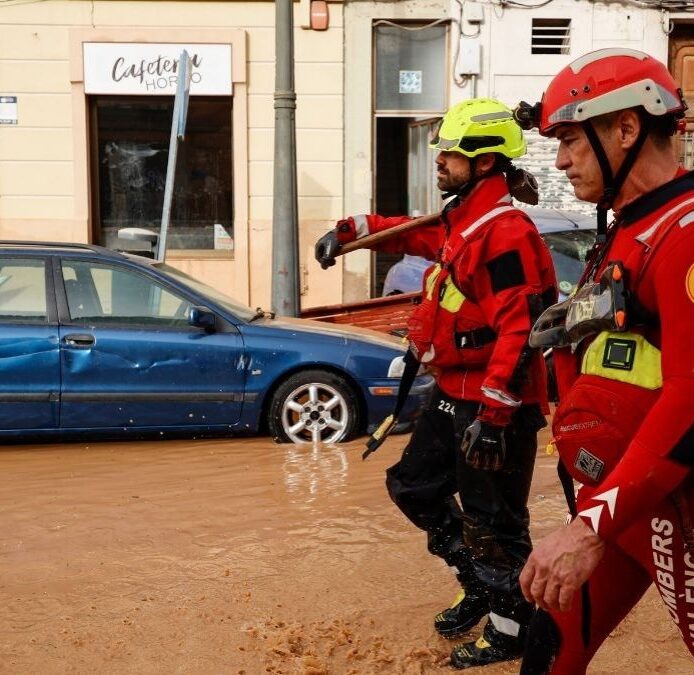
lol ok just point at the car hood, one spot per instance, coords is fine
(346, 332)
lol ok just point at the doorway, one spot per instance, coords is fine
(405, 178)
(681, 65)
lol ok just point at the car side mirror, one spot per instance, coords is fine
(201, 317)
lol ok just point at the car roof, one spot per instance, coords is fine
(56, 245)
(71, 247)
(558, 220)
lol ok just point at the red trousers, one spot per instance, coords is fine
(658, 549)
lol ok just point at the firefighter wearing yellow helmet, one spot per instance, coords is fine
(490, 278)
(480, 125)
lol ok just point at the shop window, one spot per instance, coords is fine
(130, 141)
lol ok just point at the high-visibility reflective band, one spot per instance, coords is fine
(451, 298)
(625, 357)
(504, 625)
(431, 280)
(361, 225)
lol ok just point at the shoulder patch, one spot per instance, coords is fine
(506, 271)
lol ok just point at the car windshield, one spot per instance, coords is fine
(239, 310)
(569, 249)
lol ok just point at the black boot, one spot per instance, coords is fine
(468, 608)
(491, 647)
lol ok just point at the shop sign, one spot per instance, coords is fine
(146, 68)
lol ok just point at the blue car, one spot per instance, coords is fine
(95, 341)
(568, 234)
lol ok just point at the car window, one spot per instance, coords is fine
(569, 249)
(226, 301)
(23, 290)
(113, 295)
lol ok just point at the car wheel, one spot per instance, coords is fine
(313, 406)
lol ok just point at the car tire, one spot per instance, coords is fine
(313, 406)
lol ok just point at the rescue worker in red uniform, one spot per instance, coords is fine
(624, 427)
(491, 279)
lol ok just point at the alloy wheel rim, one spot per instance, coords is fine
(315, 413)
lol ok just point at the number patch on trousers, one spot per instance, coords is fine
(447, 407)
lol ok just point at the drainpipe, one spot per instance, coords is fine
(285, 229)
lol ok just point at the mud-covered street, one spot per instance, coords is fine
(239, 556)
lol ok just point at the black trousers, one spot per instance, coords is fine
(488, 539)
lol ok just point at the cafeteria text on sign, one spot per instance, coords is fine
(149, 68)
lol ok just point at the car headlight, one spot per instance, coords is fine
(397, 367)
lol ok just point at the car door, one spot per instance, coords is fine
(130, 359)
(29, 353)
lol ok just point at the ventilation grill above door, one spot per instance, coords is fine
(550, 36)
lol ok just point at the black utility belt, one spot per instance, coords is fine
(474, 339)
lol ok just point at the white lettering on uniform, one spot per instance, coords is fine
(661, 546)
(689, 591)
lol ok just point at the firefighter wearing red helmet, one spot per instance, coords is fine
(491, 276)
(624, 428)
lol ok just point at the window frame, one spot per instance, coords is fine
(51, 314)
(64, 308)
(95, 170)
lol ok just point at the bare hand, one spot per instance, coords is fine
(560, 564)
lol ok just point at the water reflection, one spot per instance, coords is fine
(314, 469)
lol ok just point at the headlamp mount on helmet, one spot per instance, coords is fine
(528, 116)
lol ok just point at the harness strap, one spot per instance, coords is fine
(567, 484)
(475, 338)
(388, 424)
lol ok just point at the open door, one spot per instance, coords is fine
(405, 177)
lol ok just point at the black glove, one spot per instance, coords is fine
(326, 249)
(484, 446)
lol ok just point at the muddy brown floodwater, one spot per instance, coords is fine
(239, 556)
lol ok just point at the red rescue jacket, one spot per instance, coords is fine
(493, 276)
(652, 430)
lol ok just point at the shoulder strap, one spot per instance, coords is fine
(498, 210)
(409, 373)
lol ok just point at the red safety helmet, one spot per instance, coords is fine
(601, 82)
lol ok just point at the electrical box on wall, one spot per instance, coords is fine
(474, 13)
(469, 57)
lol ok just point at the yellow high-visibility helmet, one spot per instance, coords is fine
(480, 125)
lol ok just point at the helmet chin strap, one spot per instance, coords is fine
(612, 184)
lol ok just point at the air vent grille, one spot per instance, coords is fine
(551, 36)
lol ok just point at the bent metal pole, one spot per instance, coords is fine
(285, 234)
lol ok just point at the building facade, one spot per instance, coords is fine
(86, 99)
